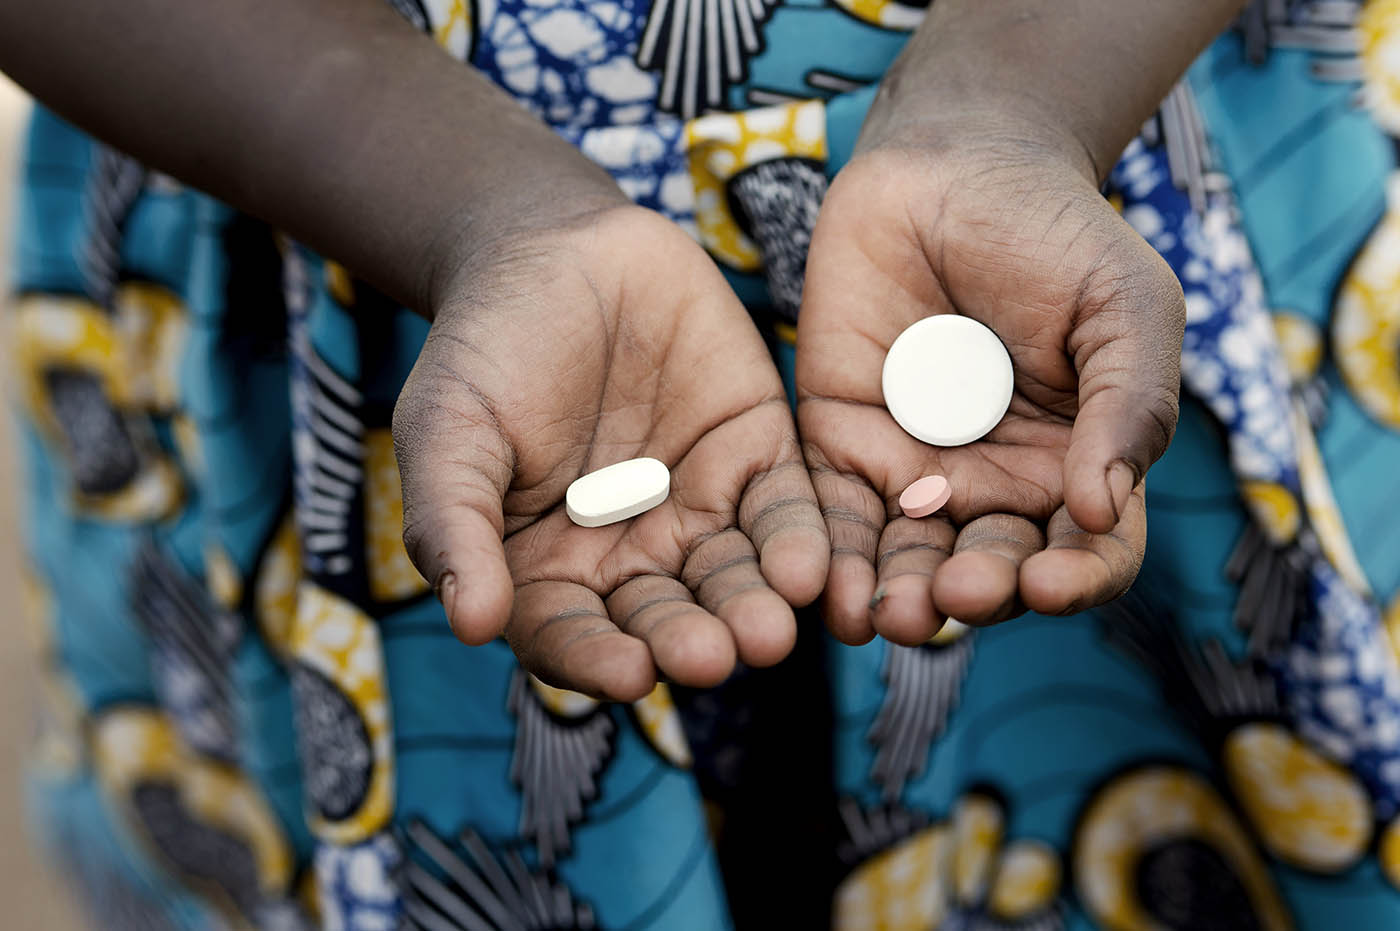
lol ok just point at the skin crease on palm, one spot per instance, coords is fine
(566, 353)
(560, 347)
(564, 357)
(1047, 510)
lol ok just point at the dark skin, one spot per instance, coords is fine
(571, 330)
(974, 190)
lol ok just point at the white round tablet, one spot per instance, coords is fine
(617, 492)
(947, 380)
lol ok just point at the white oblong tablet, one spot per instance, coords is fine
(947, 380)
(617, 492)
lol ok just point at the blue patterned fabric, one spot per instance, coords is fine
(256, 716)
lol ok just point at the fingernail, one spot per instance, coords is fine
(446, 590)
(879, 597)
(1121, 480)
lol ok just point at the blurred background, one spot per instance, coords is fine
(34, 899)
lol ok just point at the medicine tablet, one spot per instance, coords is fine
(925, 496)
(947, 380)
(617, 492)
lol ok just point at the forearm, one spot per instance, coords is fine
(331, 119)
(1083, 74)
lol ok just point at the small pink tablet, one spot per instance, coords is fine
(925, 496)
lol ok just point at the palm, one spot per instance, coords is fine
(1036, 260)
(557, 370)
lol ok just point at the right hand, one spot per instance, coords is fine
(557, 353)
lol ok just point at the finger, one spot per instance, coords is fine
(855, 518)
(455, 467)
(980, 584)
(722, 571)
(779, 513)
(910, 552)
(1078, 570)
(1127, 349)
(688, 644)
(561, 632)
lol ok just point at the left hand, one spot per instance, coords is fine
(1046, 510)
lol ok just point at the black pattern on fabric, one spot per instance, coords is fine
(463, 886)
(978, 920)
(868, 831)
(101, 449)
(197, 850)
(1187, 885)
(333, 746)
(777, 204)
(256, 308)
(1324, 27)
(328, 452)
(922, 688)
(1273, 584)
(115, 181)
(701, 48)
(193, 642)
(555, 763)
(412, 10)
(1211, 691)
(1179, 126)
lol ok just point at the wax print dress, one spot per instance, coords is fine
(255, 715)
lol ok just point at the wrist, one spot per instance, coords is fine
(1074, 77)
(943, 109)
(597, 238)
(508, 218)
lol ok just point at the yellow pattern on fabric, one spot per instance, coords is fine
(951, 631)
(1275, 509)
(1366, 319)
(342, 643)
(152, 327)
(890, 14)
(188, 444)
(135, 746)
(1301, 342)
(958, 865)
(656, 714)
(900, 889)
(275, 588)
(1379, 26)
(563, 703)
(977, 834)
(1392, 624)
(1027, 880)
(339, 284)
(221, 576)
(391, 573)
(452, 25)
(720, 145)
(1388, 852)
(1144, 809)
(661, 724)
(1323, 513)
(63, 333)
(1307, 810)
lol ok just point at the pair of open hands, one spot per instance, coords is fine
(565, 351)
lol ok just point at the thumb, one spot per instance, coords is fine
(1127, 350)
(455, 466)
